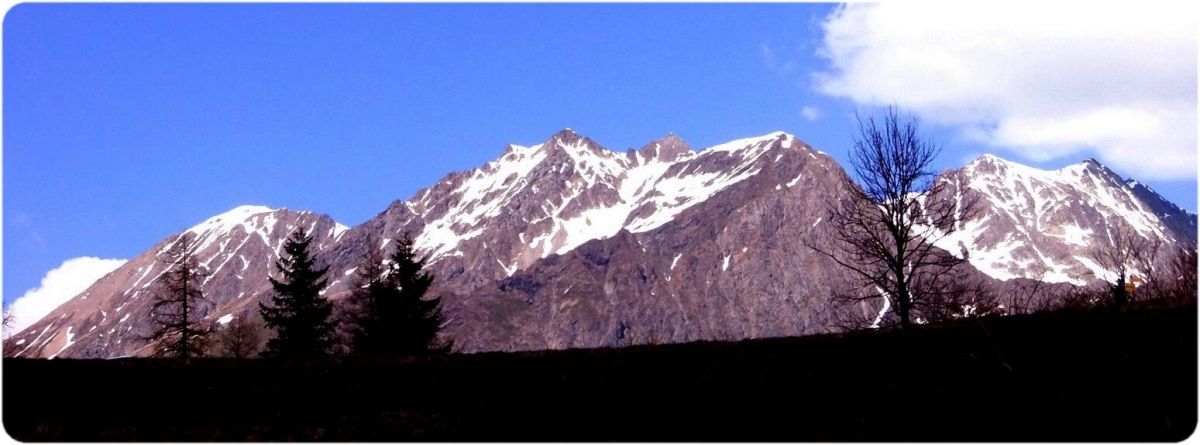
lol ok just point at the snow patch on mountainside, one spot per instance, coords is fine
(70, 340)
(478, 198)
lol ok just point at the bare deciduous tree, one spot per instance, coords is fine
(885, 230)
(1179, 277)
(10, 349)
(242, 337)
(179, 304)
(1125, 254)
(9, 321)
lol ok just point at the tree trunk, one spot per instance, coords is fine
(902, 307)
(903, 303)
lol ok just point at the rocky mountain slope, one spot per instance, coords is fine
(1042, 224)
(568, 244)
(1181, 223)
(110, 319)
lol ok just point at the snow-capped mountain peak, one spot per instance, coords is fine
(251, 219)
(1041, 224)
(236, 249)
(753, 144)
(224, 222)
(1088, 182)
(667, 148)
(568, 190)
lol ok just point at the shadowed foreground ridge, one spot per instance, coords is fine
(1093, 376)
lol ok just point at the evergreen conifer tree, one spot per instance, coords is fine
(391, 314)
(299, 314)
(179, 304)
(360, 316)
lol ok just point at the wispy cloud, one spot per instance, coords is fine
(810, 113)
(781, 63)
(58, 286)
(1046, 81)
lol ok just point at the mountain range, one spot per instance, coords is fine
(568, 244)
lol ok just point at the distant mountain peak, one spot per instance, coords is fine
(666, 148)
(566, 136)
(756, 143)
(989, 163)
(1040, 224)
(243, 211)
(987, 157)
(988, 160)
(224, 222)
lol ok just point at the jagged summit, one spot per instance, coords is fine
(991, 161)
(986, 158)
(568, 146)
(667, 148)
(569, 190)
(566, 135)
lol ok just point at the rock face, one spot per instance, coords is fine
(567, 244)
(730, 267)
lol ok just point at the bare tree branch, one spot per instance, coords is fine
(1128, 256)
(884, 229)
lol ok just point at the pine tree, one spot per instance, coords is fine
(299, 314)
(179, 304)
(392, 315)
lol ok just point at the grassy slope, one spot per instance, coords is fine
(1066, 376)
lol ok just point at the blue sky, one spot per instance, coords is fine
(123, 124)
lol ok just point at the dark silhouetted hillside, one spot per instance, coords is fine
(1093, 376)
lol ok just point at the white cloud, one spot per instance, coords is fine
(1047, 80)
(810, 113)
(58, 286)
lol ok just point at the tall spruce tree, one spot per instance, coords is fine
(359, 315)
(298, 314)
(179, 304)
(391, 314)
